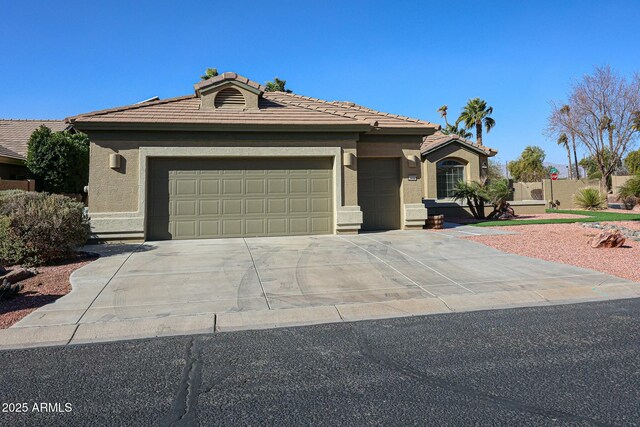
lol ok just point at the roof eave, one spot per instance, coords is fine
(8, 160)
(489, 152)
(423, 131)
(217, 127)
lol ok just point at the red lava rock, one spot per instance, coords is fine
(51, 283)
(608, 239)
(565, 243)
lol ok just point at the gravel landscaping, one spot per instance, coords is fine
(569, 244)
(51, 283)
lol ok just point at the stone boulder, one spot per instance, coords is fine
(18, 274)
(608, 239)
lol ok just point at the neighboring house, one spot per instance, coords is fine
(233, 160)
(14, 141)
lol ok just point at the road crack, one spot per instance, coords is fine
(184, 408)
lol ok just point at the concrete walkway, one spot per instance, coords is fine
(181, 287)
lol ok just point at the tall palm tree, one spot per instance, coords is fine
(475, 114)
(443, 113)
(563, 141)
(566, 110)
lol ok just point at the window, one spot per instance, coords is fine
(448, 174)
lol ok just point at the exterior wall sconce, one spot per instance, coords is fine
(349, 159)
(413, 161)
(115, 161)
(485, 165)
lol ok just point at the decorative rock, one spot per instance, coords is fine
(608, 239)
(8, 289)
(18, 274)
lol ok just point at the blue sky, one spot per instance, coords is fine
(63, 58)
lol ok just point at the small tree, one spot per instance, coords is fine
(497, 193)
(632, 162)
(59, 161)
(529, 166)
(471, 192)
(277, 85)
(210, 72)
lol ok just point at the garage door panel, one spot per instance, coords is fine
(277, 186)
(209, 198)
(210, 187)
(231, 187)
(298, 206)
(253, 207)
(232, 207)
(254, 187)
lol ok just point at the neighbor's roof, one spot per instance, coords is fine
(14, 135)
(438, 140)
(274, 109)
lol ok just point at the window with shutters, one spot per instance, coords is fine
(229, 98)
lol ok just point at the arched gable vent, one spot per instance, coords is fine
(229, 98)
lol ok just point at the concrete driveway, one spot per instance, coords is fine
(229, 284)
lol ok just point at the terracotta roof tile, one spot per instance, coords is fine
(275, 108)
(15, 134)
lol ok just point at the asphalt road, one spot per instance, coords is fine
(562, 365)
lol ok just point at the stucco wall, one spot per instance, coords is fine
(618, 181)
(117, 190)
(116, 196)
(528, 191)
(473, 165)
(564, 190)
(24, 185)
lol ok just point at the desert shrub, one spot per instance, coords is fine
(36, 228)
(591, 198)
(9, 193)
(471, 192)
(497, 193)
(629, 192)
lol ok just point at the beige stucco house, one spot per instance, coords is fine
(14, 142)
(233, 160)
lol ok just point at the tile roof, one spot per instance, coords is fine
(14, 135)
(274, 108)
(439, 139)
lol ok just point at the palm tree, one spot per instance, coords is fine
(443, 113)
(563, 141)
(209, 72)
(455, 130)
(475, 114)
(566, 110)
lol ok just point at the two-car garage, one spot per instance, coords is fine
(191, 198)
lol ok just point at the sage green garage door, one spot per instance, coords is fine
(379, 193)
(195, 198)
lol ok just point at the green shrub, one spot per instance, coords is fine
(629, 192)
(36, 228)
(591, 198)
